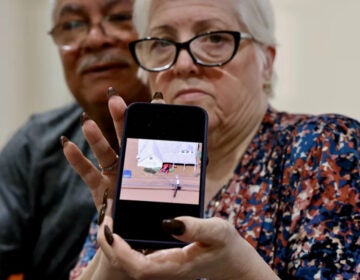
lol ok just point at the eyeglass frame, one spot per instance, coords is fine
(88, 26)
(237, 35)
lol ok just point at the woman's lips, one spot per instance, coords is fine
(190, 94)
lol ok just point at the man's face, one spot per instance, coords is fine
(101, 58)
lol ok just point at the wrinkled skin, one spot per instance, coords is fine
(233, 97)
(100, 60)
(216, 250)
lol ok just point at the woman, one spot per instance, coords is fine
(282, 189)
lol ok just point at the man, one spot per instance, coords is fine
(41, 196)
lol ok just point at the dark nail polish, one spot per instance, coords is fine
(105, 196)
(84, 117)
(111, 92)
(63, 140)
(158, 95)
(108, 235)
(174, 227)
(102, 214)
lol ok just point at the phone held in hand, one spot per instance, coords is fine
(163, 159)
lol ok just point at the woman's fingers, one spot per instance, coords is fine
(190, 262)
(212, 231)
(162, 264)
(215, 240)
(84, 167)
(101, 148)
(116, 249)
(103, 176)
(81, 164)
(117, 108)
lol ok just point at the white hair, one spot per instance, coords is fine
(141, 16)
(256, 15)
(52, 8)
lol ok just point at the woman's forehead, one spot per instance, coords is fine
(199, 12)
(159, 6)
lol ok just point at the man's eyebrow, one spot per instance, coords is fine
(71, 9)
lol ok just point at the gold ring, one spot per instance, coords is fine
(111, 166)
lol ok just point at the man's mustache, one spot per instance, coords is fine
(102, 58)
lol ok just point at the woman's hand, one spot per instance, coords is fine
(98, 180)
(216, 251)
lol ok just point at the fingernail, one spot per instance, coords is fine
(103, 207)
(158, 98)
(174, 227)
(158, 95)
(111, 92)
(63, 140)
(105, 196)
(84, 117)
(102, 214)
(108, 235)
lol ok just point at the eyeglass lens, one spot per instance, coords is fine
(207, 49)
(71, 34)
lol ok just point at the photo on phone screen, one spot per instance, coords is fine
(162, 172)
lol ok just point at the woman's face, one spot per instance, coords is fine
(231, 93)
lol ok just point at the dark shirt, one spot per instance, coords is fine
(45, 208)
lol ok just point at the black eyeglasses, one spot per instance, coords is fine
(207, 49)
(68, 35)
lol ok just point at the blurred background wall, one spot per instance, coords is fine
(317, 60)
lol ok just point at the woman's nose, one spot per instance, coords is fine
(185, 63)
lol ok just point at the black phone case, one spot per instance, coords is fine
(139, 222)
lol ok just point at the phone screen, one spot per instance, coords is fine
(161, 175)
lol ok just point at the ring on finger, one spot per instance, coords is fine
(110, 167)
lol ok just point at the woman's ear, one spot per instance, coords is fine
(270, 53)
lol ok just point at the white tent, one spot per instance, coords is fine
(149, 155)
(153, 153)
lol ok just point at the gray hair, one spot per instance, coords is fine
(52, 8)
(256, 15)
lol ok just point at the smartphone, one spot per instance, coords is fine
(161, 175)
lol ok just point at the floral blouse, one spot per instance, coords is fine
(295, 197)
